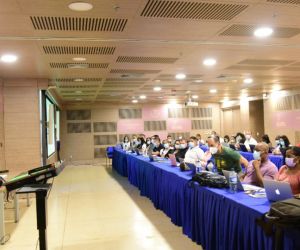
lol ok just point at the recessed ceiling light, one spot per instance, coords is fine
(80, 6)
(157, 88)
(9, 58)
(213, 91)
(78, 80)
(143, 97)
(263, 32)
(160, 97)
(198, 81)
(248, 80)
(157, 80)
(276, 87)
(209, 62)
(79, 59)
(78, 92)
(135, 101)
(180, 76)
(78, 99)
(194, 96)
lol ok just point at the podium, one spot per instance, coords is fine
(41, 191)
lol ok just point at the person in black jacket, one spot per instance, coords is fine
(157, 146)
(183, 148)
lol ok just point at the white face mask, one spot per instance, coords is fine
(183, 146)
(248, 137)
(177, 146)
(213, 150)
(256, 155)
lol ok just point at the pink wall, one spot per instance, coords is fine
(286, 120)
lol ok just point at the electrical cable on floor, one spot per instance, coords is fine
(5, 239)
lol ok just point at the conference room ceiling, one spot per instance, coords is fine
(132, 46)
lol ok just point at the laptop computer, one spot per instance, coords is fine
(277, 190)
(243, 148)
(239, 184)
(252, 147)
(173, 160)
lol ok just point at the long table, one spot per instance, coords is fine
(214, 218)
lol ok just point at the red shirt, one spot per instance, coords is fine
(293, 179)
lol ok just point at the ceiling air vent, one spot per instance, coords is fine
(76, 79)
(141, 59)
(79, 65)
(192, 10)
(78, 23)
(134, 71)
(248, 30)
(265, 62)
(78, 50)
(284, 1)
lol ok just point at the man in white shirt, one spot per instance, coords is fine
(249, 140)
(194, 153)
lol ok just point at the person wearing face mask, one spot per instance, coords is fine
(283, 144)
(170, 140)
(290, 172)
(266, 139)
(200, 141)
(261, 167)
(195, 154)
(126, 143)
(134, 141)
(181, 150)
(239, 139)
(226, 141)
(166, 150)
(140, 143)
(249, 140)
(157, 146)
(224, 157)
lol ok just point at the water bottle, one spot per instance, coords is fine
(198, 167)
(232, 181)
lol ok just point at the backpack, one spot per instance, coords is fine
(283, 215)
(210, 180)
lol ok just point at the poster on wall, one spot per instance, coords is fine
(286, 120)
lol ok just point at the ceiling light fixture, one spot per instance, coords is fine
(213, 91)
(248, 80)
(9, 58)
(143, 97)
(157, 80)
(78, 99)
(198, 81)
(263, 32)
(78, 80)
(209, 62)
(180, 76)
(195, 96)
(79, 59)
(80, 6)
(157, 88)
(135, 101)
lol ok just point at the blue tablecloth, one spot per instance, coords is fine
(211, 217)
(276, 159)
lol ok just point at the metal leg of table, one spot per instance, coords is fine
(17, 210)
(28, 200)
(2, 225)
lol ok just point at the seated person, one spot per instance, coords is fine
(194, 154)
(168, 149)
(134, 141)
(226, 141)
(261, 167)
(225, 158)
(239, 139)
(170, 140)
(200, 141)
(266, 139)
(283, 144)
(290, 172)
(182, 149)
(249, 140)
(126, 143)
(157, 146)
(140, 143)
